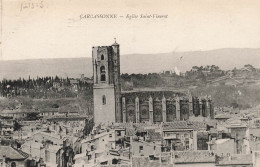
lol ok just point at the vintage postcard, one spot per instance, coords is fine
(130, 83)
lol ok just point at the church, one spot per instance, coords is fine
(112, 105)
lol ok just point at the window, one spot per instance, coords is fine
(118, 133)
(103, 73)
(110, 135)
(104, 100)
(102, 57)
(13, 164)
(141, 148)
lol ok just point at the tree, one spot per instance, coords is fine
(88, 126)
(17, 126)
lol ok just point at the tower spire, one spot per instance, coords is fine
(115, 42)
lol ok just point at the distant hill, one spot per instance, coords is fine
(131, 63)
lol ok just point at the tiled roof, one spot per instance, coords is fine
(49, 110)
(70, 108)
(12, 153)
(236, 159)
(18, 111)
(254, 132)
(130, 131)
(143, 127)
(194, 157)
(222, 116)
(70, 118)
(145, 162)
(5, 126)
(154, 136)
(184, 125)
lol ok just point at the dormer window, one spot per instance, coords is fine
(102, 57)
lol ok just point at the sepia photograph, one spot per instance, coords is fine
(130, 83)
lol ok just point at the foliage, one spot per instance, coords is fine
(45, 87)
(242, 97)
(17, 126)
(88, 126)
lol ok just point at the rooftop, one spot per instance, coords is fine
(184, 125)
(12, 153)
(182, 157)
(236, 159)
(221, 141)
(254, 132)
(223, 116)
(70, 118)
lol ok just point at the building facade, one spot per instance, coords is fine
(107, 88)
(112, 105)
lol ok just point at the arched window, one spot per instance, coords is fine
(104, 100)
(102, 57)
(103, 73)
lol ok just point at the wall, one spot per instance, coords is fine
(196, 165)
(224, 148)
(104, 113)
(175, 109)
(148, 148)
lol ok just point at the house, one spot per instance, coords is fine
(12, 157)
(238, 160)
(194, 158)
(98, 144)
(6, 125)
(75, 84)
(86, 79)
(222, 118)
(143, 148)
(48, 112)
(18, 113)
(72, 123)
(222, 146)
(254, 141)
(35, 149)
(182, 135)
(151, 161)
(239, 132)
(41, 137)
(256, 158)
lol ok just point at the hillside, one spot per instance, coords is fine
(131, 63)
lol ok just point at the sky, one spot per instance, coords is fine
(55, 29)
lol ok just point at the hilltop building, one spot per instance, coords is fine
(112, 105)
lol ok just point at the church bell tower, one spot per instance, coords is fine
(107, 87)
